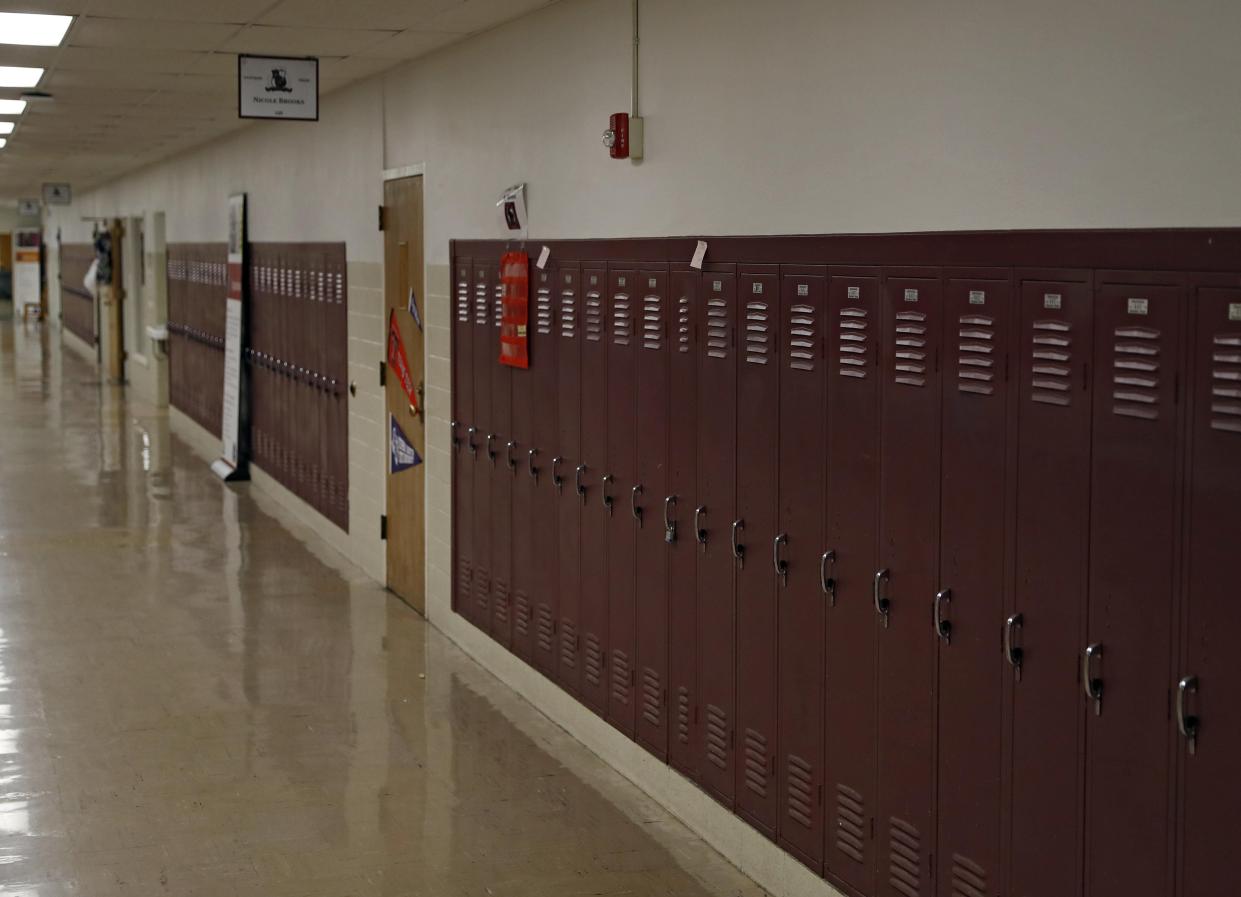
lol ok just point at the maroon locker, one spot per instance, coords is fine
(677, 504)
(562, 473)
(974, 478)
(1208, 686)
(624, 298)
(484, 459)
(1133, 527)
(908, 579)
(464, 448)
(852, 533)
(803, 599)
(522, 485)
(757, 577)
(1042, 634)
(709, 526)
(592, 492)
(503, 472)
(539, 457)
(644, 507)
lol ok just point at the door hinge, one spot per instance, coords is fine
(383, 373)
(383, 527)
(383, 221)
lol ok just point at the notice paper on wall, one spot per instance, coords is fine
(700, 253)
(232, 465)
(543, 257)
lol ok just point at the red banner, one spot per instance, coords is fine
(515, 307)
(397, 361)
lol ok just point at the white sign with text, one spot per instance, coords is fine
(278, 87)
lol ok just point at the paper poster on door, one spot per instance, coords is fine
(413, 308)
(401, 451)
(398, 362)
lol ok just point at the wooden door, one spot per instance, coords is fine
(403, 277)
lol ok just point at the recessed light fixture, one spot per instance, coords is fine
(33, 29)
(12, 107)
(6, 127)
(19, 76)
(2, 142)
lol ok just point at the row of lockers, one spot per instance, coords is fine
(76, 303)
(923, 571)
(197, 285)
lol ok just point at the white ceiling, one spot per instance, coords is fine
(136, 81)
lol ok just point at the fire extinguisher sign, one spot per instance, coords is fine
(515, 309)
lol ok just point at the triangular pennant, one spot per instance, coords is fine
(401, 451)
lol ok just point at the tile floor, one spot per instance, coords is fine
(195, 702)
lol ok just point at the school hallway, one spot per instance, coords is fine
(201, 698)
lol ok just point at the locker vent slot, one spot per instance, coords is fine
(853, 342)
(683, 714)
(909, 359)
(592, 661)
(480, 303)
(800, 791)
(521, 613)
(568, 644)
(652, 705)
(594, 317)
(568, 314)
(850, 823)
(757, 333)
(544, 629)
(482, 592)
(968, 878)
(1226, 383)
(1135, 373)
(717, 327)
(463, 301)
(464, 575)
(801, 338)
(717, 736)
(620, 676)
(622, 320)
(1052, 357)
(904, 858)
(685, 323)
(975, 357)
(756, 762)
(652, 322)
(499, 605)
(543, 310)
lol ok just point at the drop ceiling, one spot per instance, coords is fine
(137, 81)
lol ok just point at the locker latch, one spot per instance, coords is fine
(557, 479)
(534, 471)
(781, 565)
(607, 496)
(1091, 684)
(1187, 724)
(670, 525)
(882, 604)
(634, 509)
(828, 583)
(738, 548)
(699, 533)
(943, 626)
(1012, 651)
(578, 484)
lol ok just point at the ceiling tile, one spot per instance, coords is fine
(393, 15)
(233, 11)
(479, 15)
(411, 44)
(140, 34)
(265, 39)
(156, 62)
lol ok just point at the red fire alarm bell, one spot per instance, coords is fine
(616, 137)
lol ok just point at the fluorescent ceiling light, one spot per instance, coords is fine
(2, 142)
(12, 107)
(19, 76)
(6, 127)
(33, 29)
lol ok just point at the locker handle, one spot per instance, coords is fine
(607, 498)
(699, 533)
(469, 442)
(456, 440)
(633, 504)
(491, 452)
(1092, 685)
(1187, 723)
(534, 471)
(1012, 652)
(670, 525)
(781, 565)
(508, 449)
(738, 549)
(828, 583)
(557, 479)
(943, 627)
(577, 480)
(882, 604)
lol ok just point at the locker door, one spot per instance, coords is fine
(564, 463)
(674, 520)
(503, 472)
(978, 323)
(524, 555)
(1133, 527)
(802, 600)
(464, 447)
(594, 592)
(909, 552)
(544, 524)
(485, 342)
(758, 448)
(1213, 694)
(708, 524)
(852, 525)
(1044, 628)
(646, 507)
(624, 298)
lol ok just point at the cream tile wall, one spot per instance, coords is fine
(368, 452)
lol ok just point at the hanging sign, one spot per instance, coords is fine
(234, 423)
(278, 87)
(413, 308)
(401, 451)
(57, 194)
(398, 361)
(515, 310)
